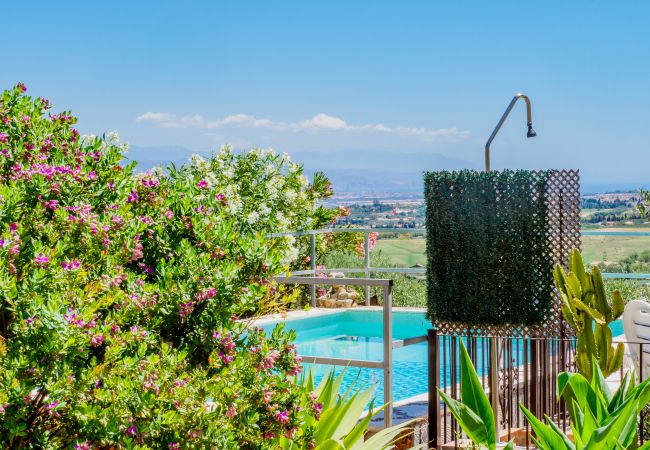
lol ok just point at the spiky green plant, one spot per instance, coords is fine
(340, 424)
(588, 311)
(599, 419)
(473, 413)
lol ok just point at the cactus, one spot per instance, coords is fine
(587, 310)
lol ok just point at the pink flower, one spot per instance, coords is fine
(185, 309)
(3, 137)
(74, 264)
(282, 417)
(51, 406)
(96, 340)
(202, 184)
(221, 198)
(82, 446)
(42, 260)
(22, 87)
(232, 411)
(133, 197)
(132, 430)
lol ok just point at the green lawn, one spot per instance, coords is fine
(612, 248)
(403, 252)
(407, 252)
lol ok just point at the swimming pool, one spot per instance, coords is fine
(358, 334)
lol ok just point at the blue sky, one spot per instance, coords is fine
(320, 76)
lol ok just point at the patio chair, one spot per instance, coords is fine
(636, 324)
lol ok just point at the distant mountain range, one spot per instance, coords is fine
(350, 170)
(360, 170)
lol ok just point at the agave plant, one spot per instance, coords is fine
(473, 413)
(341, 424)
(599, 418)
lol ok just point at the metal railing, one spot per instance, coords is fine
(513, 371)
(536, 364)
(388, 343)
(367, 268)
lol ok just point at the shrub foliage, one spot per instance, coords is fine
(122, 294)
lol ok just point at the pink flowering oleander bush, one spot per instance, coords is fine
(123, 296)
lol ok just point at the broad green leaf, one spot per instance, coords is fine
(384, 438)
(575, 387)
(547, 438)
(473, 395)
(359, 430)
(567, 441)
(468, 420)
(601, 437)
(331, 444)
(598, 383)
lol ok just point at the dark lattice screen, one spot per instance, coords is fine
(492, 240)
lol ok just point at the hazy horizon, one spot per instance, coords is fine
(428, 77)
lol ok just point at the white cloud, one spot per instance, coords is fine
(319, 123)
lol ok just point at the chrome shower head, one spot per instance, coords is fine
(531, 133)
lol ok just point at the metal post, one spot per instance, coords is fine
(313, 268)
(434, 382)
(494, 379)
(366, 262)
(387, 294)
(529, 116)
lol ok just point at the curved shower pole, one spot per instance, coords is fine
(531, 133)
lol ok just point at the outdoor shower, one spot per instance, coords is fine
(531, 133)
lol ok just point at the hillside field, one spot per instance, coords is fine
(406, 252)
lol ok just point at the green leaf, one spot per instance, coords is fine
(598, 383)
(473, 395)
(547, 438)
(331, 444)
(468, 420)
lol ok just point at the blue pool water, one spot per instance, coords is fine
(358, 334)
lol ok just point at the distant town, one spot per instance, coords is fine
(406, 210)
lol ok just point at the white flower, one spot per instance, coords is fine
(252, 217)
(283, 223)
(228, 173)
(264, 209)
(235, 206)
(198, 161)
(157, 171)
(290, 196)
(87, 139)
(291, 254)
(113, 136)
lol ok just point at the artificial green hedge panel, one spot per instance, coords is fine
(488, 252)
